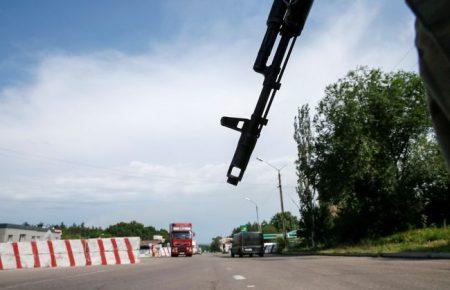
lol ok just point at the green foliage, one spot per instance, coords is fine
(249, 226)
(271, 227)
(81, 231)
(372, 157)
(134, 228)
(215, 244)
(291, 221)
(268, 228)
(281, 245)
(121, 229)
(306, 174)
(419, 240)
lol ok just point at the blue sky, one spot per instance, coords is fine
(33, 28)
(109, 110)
(30, 29)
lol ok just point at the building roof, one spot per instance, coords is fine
(22, 227)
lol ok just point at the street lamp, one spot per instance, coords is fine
(281, 194)
(257, 213)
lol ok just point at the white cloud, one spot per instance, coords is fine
(149, 124)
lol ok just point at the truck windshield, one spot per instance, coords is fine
(181, 235)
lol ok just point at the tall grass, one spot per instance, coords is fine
(419, 240)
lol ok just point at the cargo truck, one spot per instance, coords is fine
(181, 239)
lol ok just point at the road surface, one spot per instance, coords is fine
(223, 272)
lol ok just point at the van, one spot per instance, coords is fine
(247, 243)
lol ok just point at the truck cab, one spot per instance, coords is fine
(248, 243)
(181, 239)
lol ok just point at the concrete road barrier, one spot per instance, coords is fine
(164, 252)
(270, 248)
(69, 253)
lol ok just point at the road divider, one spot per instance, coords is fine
(164, 252)
(155, 251)
(69, 253)
(270, 248)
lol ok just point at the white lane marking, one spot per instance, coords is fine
(250, 286)
(55, 279)
(238, 277)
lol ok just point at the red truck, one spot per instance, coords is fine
(181, 239)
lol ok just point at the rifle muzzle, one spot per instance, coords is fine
(241, 157)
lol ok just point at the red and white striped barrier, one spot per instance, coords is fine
(164, 252)
(69, 253)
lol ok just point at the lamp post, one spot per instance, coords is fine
(257, 213)
(281, 194)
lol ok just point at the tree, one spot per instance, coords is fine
(81, 231)
(426, 178)
(124, 229)
(215, 244)
(134, 228)
(249, 227)
(369, 126)
(306, 175)
(291, 221)
(268, 228)
(273, 226)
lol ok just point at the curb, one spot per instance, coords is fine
(417, 255)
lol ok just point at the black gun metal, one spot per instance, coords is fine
(286, 20)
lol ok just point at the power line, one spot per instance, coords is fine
(97, 167)
(403, 57)
(120, 172)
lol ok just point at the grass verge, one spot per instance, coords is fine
(428, 240)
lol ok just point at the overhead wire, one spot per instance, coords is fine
(403, 57)
(120, 172)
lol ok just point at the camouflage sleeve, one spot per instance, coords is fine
(433, 46)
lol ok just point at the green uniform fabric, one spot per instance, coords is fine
(433, 45)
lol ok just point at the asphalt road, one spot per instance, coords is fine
(222, 272)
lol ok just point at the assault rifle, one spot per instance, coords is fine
(286, 19)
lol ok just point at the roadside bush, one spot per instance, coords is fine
(281, 245)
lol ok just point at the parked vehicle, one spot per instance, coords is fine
(248, 243)
(181, 239)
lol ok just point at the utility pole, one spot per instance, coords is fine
(282, 205)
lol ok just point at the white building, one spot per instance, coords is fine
(21, 233)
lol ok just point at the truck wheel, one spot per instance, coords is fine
(251, 255)
(188, 255)
(174, 255)
(232, 255)
(261, 254)
(241, 255)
